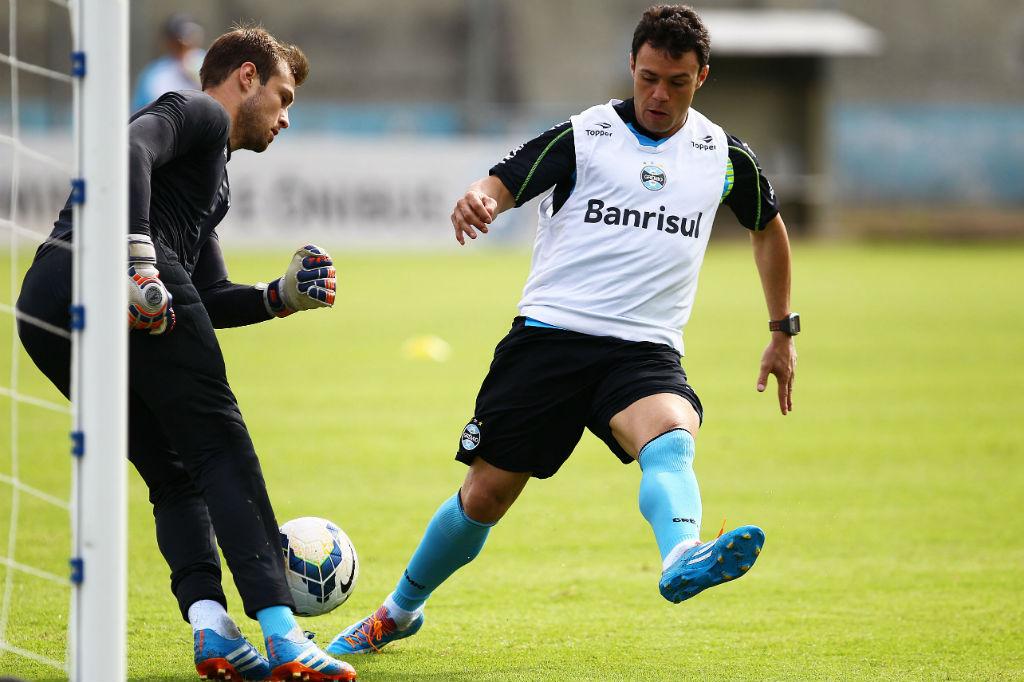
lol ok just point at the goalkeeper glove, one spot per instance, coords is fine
(149, 301)
(309, 282)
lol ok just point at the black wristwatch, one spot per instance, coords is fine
(787, 325)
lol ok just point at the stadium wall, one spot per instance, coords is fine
(342, 191)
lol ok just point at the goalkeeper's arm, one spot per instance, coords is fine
(228, 304)
(151, 144)
(308, 283)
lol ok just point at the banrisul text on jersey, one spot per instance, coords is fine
(598, 212)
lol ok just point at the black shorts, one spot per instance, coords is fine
(545, 385)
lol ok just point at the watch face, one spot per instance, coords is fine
(789, 325)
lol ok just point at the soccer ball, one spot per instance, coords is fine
(320, 563)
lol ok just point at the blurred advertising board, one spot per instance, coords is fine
(362, 193)
(358, 193)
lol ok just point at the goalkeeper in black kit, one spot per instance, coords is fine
(186, 435)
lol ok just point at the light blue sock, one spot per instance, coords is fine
(451, 541)
(276, 620)
(669, 495)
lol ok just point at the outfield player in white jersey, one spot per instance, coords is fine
(619, 246)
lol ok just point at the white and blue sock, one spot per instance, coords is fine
(207, 614)
(279, 620)
(669, 494)
(403, 617)
(451, 541)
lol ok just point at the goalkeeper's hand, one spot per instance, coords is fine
(309, 282)
(149, 302)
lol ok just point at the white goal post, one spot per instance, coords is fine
(99, 611)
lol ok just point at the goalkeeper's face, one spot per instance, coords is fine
(264, 113)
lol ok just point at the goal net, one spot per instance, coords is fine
(63, 131)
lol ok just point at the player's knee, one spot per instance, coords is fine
(171, 488)
(649, 418)
(486, 504)
(683, 416)
(488, 491)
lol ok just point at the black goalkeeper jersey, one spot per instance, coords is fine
(179, 192)
(549, 160)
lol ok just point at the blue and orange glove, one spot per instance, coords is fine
(149, 302)
(310, 282)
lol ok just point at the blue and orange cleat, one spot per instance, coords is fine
(371, 633)
(291, 661)
(725, 558)
(220, 658)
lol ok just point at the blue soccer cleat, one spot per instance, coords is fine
(220, 658)
(726, 558)
(291, 660)
(371, 633)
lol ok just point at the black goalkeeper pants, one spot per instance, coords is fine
(186, 438)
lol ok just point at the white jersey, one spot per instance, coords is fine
(622, 256)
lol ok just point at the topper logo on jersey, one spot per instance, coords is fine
(600, 133)
(658, 220)
(652, 177)
(704, 145)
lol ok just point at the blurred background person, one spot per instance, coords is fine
(178, 68)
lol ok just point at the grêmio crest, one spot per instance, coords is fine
(652, 177)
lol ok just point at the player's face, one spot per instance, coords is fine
(265, 113)
(663, 87)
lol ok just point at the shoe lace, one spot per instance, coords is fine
(371, 630)
(721, 530)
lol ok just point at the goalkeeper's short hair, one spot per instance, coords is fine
(251, 43)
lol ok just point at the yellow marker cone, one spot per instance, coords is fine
(427, 347)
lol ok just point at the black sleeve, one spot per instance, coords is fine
(228, 304)
(174, 125)
(540, 164)
(749, 194)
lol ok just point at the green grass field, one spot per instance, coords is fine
(891, 497)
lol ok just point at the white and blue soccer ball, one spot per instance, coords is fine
(320, 563)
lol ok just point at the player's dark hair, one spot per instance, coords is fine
(675, 29)
(251, 43)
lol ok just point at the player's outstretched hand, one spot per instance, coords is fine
(310, 282)
(779, 358)
(149, 302)
(474, 211)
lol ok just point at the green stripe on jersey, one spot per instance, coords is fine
(730, 179)
(540, 158)
(757, 183)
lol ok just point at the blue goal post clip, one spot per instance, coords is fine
(77, 317)
(77, 443)
(77, 570)
(78, 64)
(78, 191)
